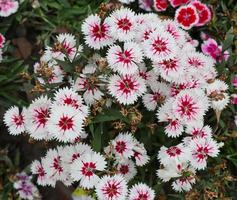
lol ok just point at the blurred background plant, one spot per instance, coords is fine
(37, 22)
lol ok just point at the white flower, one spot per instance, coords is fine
(37, 115)
(183, 184)
(125, 60)
(14, 120)
(160, 45)
(159, 92)
(190, 105)
(127, 169)
(123, 145)
(96, 32)
(126, 1)
(173, 154)
(126, 89)
(141, 191)
(52, 164)
(112, 188)
(84, 169)
(122, 24)
(200, 149)
(68, 97)
(140, 154)
(65, 123)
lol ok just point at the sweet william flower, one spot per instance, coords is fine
(186, 16)
(112, 188)
(204, 12)
(141, 191)
(96, 32)
(126, 89)
(14, 120)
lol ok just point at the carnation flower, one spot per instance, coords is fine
(126, 60)
(112, 188)
(122, 24)
(187, 16)
(38, 169)
(140, 154)
(200, 149)
(84, 169)
(52, 164)
(68, 97)
(204, 12)
(183, 184)
(198, 130)
(160, 5)
(159, 92)
(8, 7)
(14, 120)
(190, 105)
(175, 154)
(127, 169)
(160, 45)
(37, 115)
(141, 191)
(123, 145)
(210, 47)
(126, 89)
(96, 32)
(65, 123)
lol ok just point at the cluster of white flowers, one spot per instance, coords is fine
(147, 59)
(61, 118)
(79, 163)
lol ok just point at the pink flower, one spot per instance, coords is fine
(176, 3)
(8, 7)
(204, 36)
(145, 4)
(160, 5)
(234, 82)
(204, 13)
(187, 16)
(211, 48)
(234, 99)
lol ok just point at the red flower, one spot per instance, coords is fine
(160, 5)
(203, 11)
(176, 3)
(187, 16)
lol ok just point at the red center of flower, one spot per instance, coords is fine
(66, 123)
(68, 48)
(41, 171)
(159, 45)
(176, 3)
(70, 101)
(56, 164)
(124, 24)
(195, 62)
(124, 169)
(187, 106)
(88, 169)
(18, 120)
(75, 156)
(111, 189)
(187, 16)
(126, 85)
(41, 116)
(142, 196)
(169, 65)
(125, 57)
(99, 31)
(120, 146)
(173, 151)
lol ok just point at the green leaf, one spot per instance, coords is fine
(96, 142)
(110, 115)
